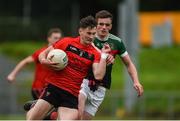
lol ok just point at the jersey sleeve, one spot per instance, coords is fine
(97, 57)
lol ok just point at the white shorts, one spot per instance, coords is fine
(94, 99)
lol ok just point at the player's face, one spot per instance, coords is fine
(104, 25)
(54, 37)
(87, 35)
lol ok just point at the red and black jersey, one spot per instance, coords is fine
(40, 72)
(80, 60)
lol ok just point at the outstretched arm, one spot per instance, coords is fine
(133, 74)
(11, 77)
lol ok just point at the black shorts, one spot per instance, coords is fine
(59, 97)
(36, 93)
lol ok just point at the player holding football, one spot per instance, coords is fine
(92, 92)
(63, 89)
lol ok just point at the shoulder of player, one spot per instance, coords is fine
(115, 38)
(67, 38)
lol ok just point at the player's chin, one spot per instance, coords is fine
(89, 41)
(104, 32)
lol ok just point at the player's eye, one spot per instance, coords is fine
(94, 33)
(56, 38)
(106, 24)
(89, 33)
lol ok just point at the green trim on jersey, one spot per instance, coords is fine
(117, 47)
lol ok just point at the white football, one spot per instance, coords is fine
(58, 56)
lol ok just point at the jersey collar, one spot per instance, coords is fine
(105, 39)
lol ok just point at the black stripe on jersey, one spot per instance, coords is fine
(80, 52)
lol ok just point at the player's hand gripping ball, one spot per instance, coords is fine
(58, 56)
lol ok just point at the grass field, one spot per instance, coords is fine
(159, 69)
(161, 65)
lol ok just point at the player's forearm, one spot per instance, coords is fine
(136, 84)
(43, 54)
(101, 68)
(18, 67)
(133, 73)
(42, 57)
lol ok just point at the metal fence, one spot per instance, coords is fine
(152, 105)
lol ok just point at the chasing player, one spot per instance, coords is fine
(92, 92)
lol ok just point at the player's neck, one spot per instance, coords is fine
(102, 38)
(84, 43)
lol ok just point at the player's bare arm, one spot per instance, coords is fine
(43, 58)
(133, 74)
(12, 76)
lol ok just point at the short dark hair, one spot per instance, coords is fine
(104, 14)
(88, 21)
(54, 30)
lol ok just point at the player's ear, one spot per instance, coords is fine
(110, 27)
(80, 31)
